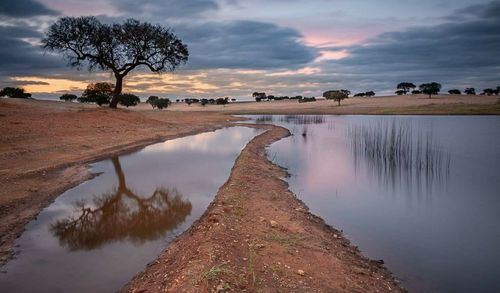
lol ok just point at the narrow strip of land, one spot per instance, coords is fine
(257, 237)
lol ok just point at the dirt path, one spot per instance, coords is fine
(45, 146)
(257, 237)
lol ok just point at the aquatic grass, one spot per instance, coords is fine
(302, 119)
(396, 151)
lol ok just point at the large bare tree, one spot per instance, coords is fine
(119, 48)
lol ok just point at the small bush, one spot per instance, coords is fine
(128, 100)
(160, 103)
(14, 92)
(68, 97)
(152, 98)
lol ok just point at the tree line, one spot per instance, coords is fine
(433, 88)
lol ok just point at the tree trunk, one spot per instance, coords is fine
(338, 102)
(117, 91)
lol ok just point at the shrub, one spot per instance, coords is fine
(152, 98)
(128, 100)
(14, 92)
(68, 97)
(307, 100)
(221, 101)
(160, 103)
(99, 93)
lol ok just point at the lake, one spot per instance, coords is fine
(420, 192)
(97, 236)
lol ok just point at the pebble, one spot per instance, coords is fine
(274, 224)
(301, 272)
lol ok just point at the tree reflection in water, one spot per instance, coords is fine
(121, 215)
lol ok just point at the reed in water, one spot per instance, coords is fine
(395, 151)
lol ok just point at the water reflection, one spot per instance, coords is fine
(122, 214)
(99, 234)
(420, 192)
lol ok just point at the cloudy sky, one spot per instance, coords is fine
(282, 47)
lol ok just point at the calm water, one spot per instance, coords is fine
(431, 212)
(98, 235)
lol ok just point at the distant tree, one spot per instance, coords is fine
(68, 97)
(151, 99)
(128, 100)
(119, 48)
(346, 92)
(359, 95)
(160, 103)
(233, 100)
(221, 101)
(416, 92)
(336, 95)
(406, 87)
(455, 92)
(177, 100)
(400, 92)
(259, 96)
(432, 88)
(99, 93)
(14, 92)
(307, 100)
(370, 94)
(204, 102)
(489, 91)
(470, 91)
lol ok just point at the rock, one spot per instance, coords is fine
(301, 272)
(220, 288)
(274, 224)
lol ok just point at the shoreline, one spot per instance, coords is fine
(39, 165)
(29, 189)
(248, 240)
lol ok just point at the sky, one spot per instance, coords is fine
(281, 47)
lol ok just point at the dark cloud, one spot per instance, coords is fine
(24, 8)
(244, 45)
(20, 57)
(166, 9)
(489, 10)
(454, 53)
